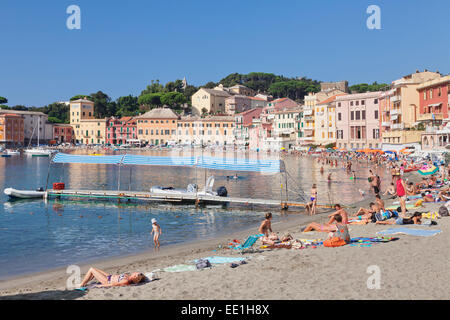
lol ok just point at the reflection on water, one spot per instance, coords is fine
(35, 235)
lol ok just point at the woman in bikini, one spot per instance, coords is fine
(112, 280)
(311, 206)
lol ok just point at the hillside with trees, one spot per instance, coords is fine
(178, 98)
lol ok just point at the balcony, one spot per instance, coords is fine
(307, 112)
(397, 126)
(309, 118)
(386, 124)
(396, 98)
(395, 112)
(430, 116)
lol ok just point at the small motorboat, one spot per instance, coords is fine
(192, 189)
(24, 194)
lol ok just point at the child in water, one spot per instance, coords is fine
(156, 229)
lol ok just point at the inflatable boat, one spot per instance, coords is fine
(24, 194)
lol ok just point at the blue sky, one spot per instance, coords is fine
(122, 45)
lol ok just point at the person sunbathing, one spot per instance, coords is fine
(331, 225)
(364, 213)
(427, 197)
(411, 189)
(415, 219)
(111, 280)
(390, 190)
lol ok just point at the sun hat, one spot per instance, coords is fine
(153, 220)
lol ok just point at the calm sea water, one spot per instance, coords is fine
(35, 236)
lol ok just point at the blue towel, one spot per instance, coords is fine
(217, 259)
(410, 231)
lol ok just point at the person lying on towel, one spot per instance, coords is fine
(112, 280)
(415, 219)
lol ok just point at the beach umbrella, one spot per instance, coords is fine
(428, 170)
(389, 152)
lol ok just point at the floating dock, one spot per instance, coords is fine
(159, 197)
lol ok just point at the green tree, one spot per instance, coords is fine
(3, 100)
(127, 106)
(150, 99)
(154, 87)
(101, 101)
(173, 99)
(210, 85)
(19, 108)
(364, 87)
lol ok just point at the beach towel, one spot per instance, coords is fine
(410, 231)
(395, 207)
(180, 268)
(220, 260)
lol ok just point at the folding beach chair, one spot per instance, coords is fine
(248, 244)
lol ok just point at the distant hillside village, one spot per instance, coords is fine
(412, 110)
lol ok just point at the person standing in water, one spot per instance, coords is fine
(311, 206)
(156, 229)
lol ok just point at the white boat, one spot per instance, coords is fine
(13, 152)
(39, 152)
(24, 194)
(192, 189)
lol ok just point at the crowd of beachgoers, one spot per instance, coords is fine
(413, 185)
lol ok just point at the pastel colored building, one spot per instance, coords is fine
(241, 90)
(434, 100)
(401, 108)
(237, 104)
(209, 100)
(33, 122)
(217, 130)
(325, 121)
(243, 121)
(121, 131)
(436, 138)
(287, 124)
(91, 131)
(80, 110)
(358, 121)
(11, 129)
(62, 133)
(157, 126)
(259, 134)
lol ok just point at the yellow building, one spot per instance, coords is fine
(209, 100)
(403, 110)
(81, 110)
(325, 121)
(91, 131)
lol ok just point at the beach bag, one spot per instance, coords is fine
(202, 264)
(443, 211)
(334, 242)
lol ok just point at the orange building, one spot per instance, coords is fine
(157, 126)
(11, 129)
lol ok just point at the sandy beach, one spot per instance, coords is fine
(411, 267)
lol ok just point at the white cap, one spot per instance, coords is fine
(153, 220)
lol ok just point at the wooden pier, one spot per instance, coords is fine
(160, 197)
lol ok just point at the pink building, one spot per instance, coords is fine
(121, 131)
(358, 121)
(258, 134)
(243, 121)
